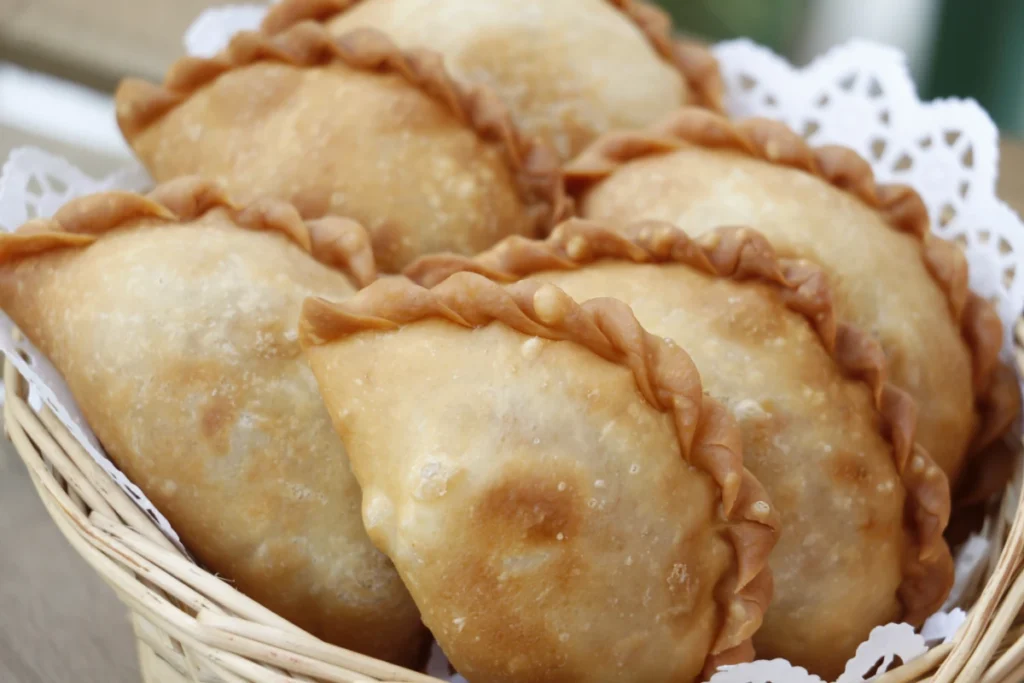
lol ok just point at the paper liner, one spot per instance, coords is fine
(693, 61)
(665, 375)
(308, 44)
(900, 205)
(334, 241)
(741, 254)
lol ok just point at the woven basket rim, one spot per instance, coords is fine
(191, 624)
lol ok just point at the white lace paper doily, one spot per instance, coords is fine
(859, 95)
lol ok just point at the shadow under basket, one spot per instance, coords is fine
(193, 627)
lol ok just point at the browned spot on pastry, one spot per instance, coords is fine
(849, 468)
(875, 524)
(190, 374)
(761, 434)
(538, 508)
(217, 416)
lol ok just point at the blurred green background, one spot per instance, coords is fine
(965, 48)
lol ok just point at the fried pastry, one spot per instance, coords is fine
(890, 275)
(349, 126)
(173, 319)
(862, 508)
(568, 69)
(548, 478)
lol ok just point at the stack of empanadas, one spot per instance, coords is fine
(716, 416)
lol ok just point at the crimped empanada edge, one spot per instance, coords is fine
(694, 62)
(665, 375)
(741, 253)
(336, 242)
(535, 168)
(997, 398)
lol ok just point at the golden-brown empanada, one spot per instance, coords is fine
(560, 498)
(349, 126)
(173, 319)
(568, 69)
(890, 275)
(862, 508)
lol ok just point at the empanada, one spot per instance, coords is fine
(862, 508)
(349, 126)
(890, 275)
(173, 319)
(568, 69)
(560, 498)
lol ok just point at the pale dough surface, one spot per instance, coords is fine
(568, 69)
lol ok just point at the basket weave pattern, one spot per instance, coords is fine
(193, 627)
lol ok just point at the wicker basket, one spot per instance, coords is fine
(193, 627)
